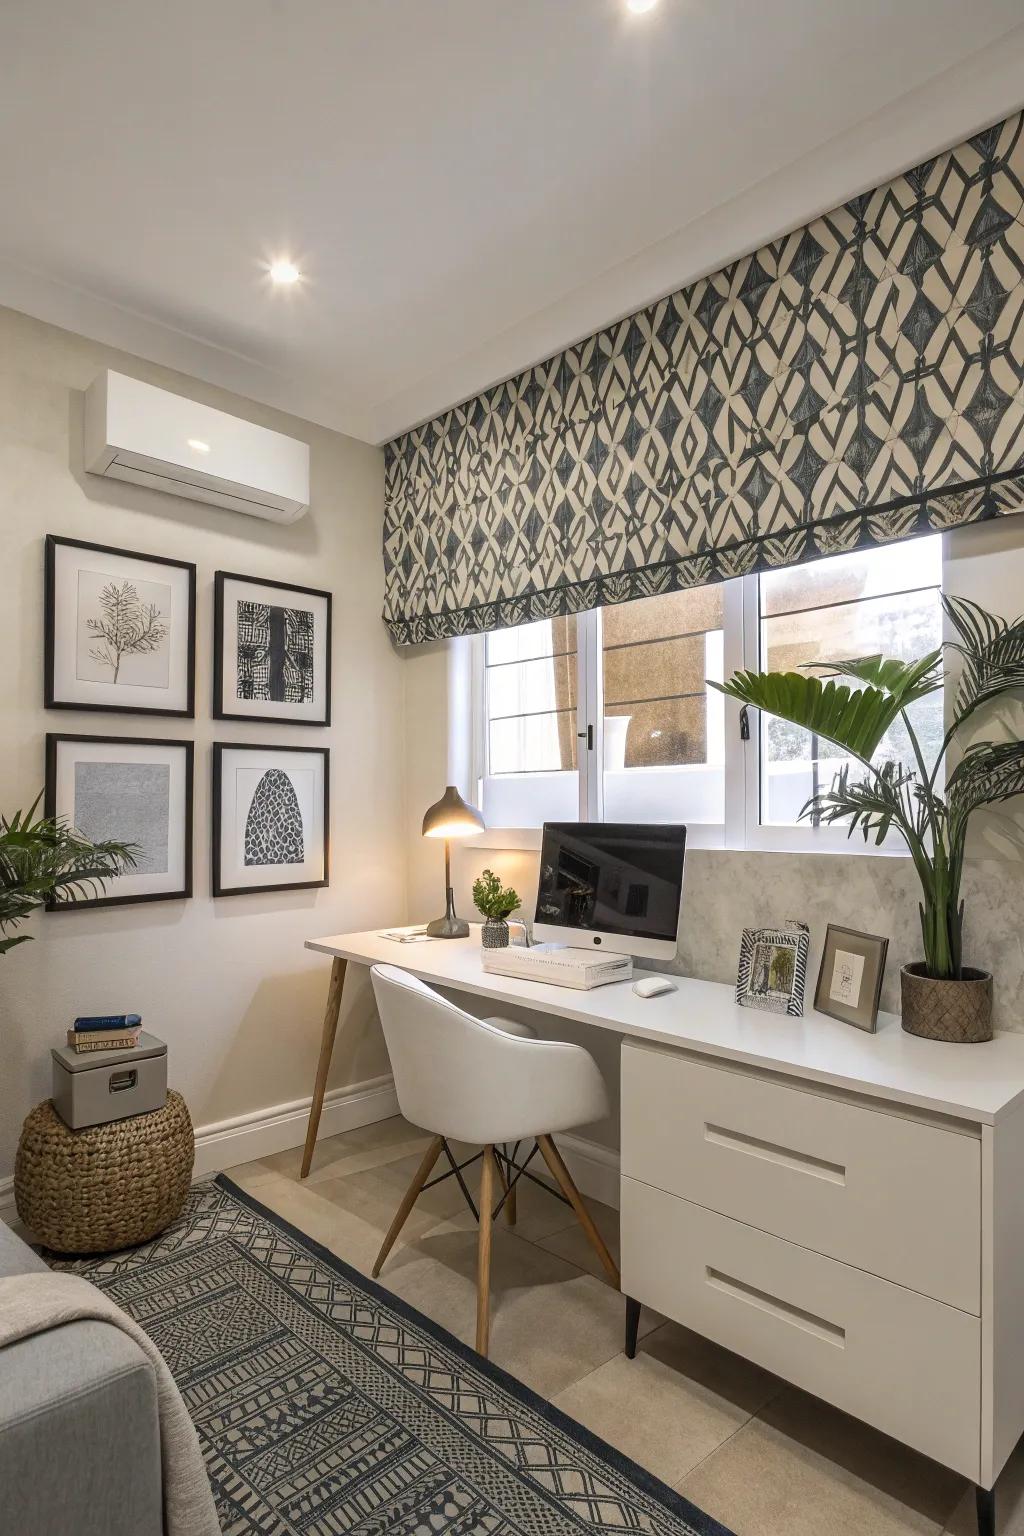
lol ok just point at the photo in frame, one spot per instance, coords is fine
(271, 651)
(773, 969)
(850, 978)
(271, 818)
(130, 790)
(120, 630)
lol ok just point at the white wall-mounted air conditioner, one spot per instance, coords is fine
(134, 431)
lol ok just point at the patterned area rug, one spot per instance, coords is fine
(326, 1405)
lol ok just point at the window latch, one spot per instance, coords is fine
(589, 734)
(744, 724)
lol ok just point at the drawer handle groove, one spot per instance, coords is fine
(830, 1333)
(753, 1146)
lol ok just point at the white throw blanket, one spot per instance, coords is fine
(34, 1303)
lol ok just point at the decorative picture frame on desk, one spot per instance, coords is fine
(773, 969)
(850, 976)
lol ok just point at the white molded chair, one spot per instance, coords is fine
(492, 1083)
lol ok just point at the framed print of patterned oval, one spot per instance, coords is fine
(270, 818)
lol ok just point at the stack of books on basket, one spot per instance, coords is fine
(106, 1032)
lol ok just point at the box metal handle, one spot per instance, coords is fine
(119, 1081)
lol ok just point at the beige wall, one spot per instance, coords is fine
(226, 983)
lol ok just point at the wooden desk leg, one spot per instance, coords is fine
(324, 1064)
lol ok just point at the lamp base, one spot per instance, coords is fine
(448, 928)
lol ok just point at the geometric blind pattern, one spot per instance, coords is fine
(856, 382)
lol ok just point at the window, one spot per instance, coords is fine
(607, 715)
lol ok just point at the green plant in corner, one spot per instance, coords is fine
(43, 858)
(492, 899)
(904, 798)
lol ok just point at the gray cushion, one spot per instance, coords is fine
(16, 1257)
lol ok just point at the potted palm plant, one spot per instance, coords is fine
(494, 902)
(41, 858)
(942, 998)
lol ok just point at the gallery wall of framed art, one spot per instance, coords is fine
(271, 651)
(120, 630)
(271, 817)
(127, 789)
(120, 637)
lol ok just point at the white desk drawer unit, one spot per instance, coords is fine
(908, 1364)
(868, 1248)
(897, 1197)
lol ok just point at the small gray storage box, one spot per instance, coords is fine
(94, 1087)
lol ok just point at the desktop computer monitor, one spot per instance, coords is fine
(610, 883)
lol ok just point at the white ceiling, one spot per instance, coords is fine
(467, 185)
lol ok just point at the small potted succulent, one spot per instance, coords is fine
(494, 902)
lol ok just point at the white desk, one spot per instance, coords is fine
(844, 1208)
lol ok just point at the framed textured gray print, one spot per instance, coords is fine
(133, 790)
(271, 651)
(120, 630)
(270, 818)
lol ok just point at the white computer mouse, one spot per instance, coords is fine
(653, 986)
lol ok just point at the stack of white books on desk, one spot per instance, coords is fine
(559, 965)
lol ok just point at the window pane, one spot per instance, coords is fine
(853, 606)
(544, 638)
(663, 736)
(530, 745)
(533, 743)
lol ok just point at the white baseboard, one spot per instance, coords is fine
(594, 1167)
(266, 1131)
(226, 1143)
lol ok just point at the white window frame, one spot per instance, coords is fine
(742, 828)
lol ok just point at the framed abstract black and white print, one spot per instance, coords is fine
(270, 818)
(120, 630)
(271, 651)
(128, 790)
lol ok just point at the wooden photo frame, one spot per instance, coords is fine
(119, 630)
(271, 651)
(129, 789)
(850, 976)
(271, 818)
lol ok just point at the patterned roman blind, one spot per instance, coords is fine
(853, 383)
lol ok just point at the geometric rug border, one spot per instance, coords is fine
(673, 1502)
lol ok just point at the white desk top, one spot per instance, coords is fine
(979, 1083)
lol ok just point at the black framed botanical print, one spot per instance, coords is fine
(271, 818)
(271, 651)
(126, 789)
(120, 630)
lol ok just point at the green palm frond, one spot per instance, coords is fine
(42, 858)
(987, 773)
(855, 719)
(870, 805)
(993, 654)
(906, 681)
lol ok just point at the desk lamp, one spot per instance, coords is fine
(450, 817)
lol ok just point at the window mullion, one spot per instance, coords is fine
(591, 721)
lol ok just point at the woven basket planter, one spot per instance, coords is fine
(959, 1012)
(107, 1187)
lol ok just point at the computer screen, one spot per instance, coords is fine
(612, 878)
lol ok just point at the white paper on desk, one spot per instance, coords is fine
(406, 935)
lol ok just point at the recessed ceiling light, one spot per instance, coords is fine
(639, 6)
(198, 444)
(284, 272)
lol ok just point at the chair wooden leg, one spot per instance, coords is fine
(510, 1195)
(483, 1252)
(409, 1199)
(562, 1177)
(324, 1064)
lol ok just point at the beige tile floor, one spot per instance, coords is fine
(762, 1457)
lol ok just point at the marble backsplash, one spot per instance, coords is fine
(725, 892)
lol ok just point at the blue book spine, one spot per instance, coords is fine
(85, 1026)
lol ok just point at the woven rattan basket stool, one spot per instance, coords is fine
(108, 1187)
